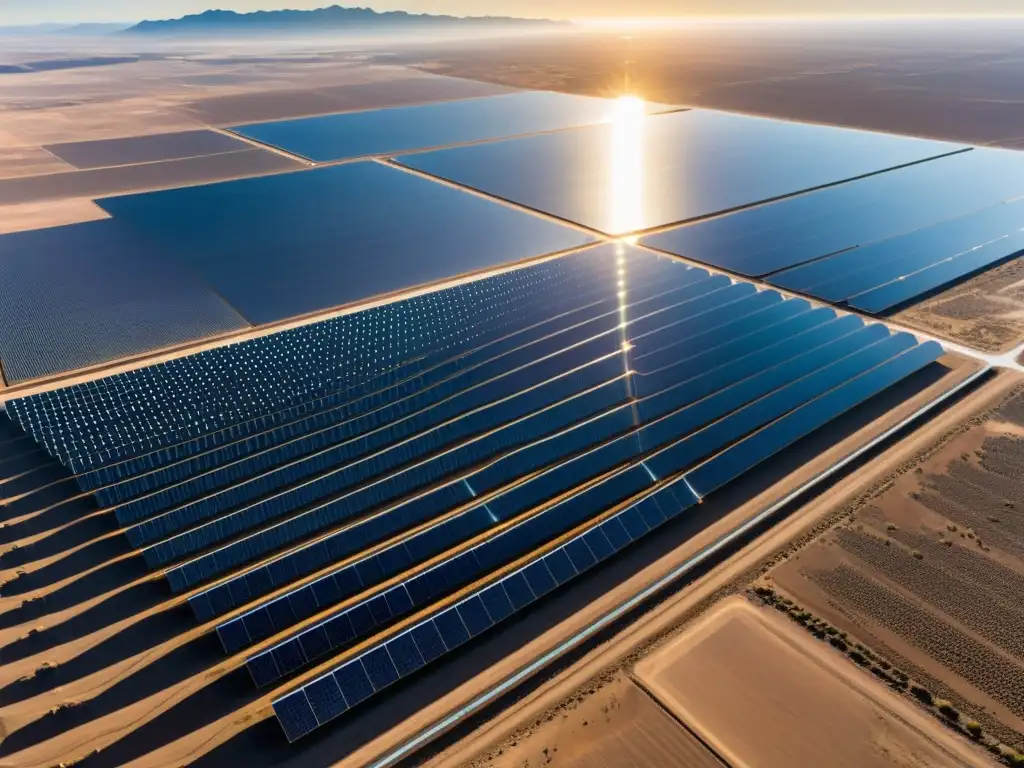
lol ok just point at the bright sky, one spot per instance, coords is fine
(40, 11)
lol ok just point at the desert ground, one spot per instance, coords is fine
(762, 693)
(928, 574)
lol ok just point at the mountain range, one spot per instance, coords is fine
(332, 19)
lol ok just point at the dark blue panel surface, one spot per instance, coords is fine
(354, 682)
(89, 293)
(640, 172)
(912, 286)
(295, 715)
(789, 232)
(748, 453)
(280, 246)
(857, 270)
(401, 129)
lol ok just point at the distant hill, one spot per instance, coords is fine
(331, 19)
(64, 29)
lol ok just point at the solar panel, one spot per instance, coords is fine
(798, 230)
(401, 129)
(641, 172)
(449, 628)
(858, 268)
(742, 457)
(84, 294)
(917, 284)
(289, 244)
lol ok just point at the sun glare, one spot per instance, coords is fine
(627, 164)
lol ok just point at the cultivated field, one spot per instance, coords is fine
(762, 693)
(929, 573)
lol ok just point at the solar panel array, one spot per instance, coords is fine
(295, 243)
(262, 250)
(404, 652)
(641, 172)
(347, 135)
(75, 296)
(878, 243)
(343, 495)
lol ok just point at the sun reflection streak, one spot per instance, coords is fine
(625, 345)
(627, 166)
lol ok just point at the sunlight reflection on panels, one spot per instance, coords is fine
(404, 129)
(626, 189)
(768, 238)
(641, 172)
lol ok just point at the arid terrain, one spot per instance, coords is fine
(762, 693)
(929, 573)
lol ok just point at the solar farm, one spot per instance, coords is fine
(312, 466)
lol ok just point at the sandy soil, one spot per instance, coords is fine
(619, 725)
(413, 88)
(18, 160)
(764, 694)
(931, 572)
(18, 218)
(103, 182)
(477, 744)
(124, 669)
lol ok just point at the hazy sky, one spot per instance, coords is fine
(37, 11)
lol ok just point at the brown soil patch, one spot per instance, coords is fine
(930, 572)
(620, 725)
(102, 182)
(16, 161)
(763, 694)
(19, 218)
(414, 88)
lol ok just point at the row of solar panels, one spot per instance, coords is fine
(520, 408)
(443, 628)
(683, 398)
(665, 446)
